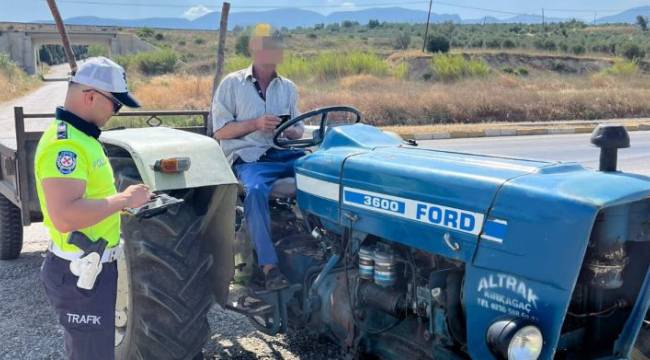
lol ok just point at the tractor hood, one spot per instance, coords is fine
(362, 170)
(397, 191)
(521, 227)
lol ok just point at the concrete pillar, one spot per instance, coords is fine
(29, 60)
(113, 48)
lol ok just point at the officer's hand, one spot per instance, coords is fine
(267, 123)
(137, 195)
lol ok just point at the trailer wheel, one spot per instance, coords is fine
(11, 230)
(164, 284)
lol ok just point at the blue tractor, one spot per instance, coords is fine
(404, 252)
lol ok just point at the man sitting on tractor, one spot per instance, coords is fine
(246, 110)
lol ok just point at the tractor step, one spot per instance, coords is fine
(266, 309)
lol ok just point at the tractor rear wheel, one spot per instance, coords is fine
(11, 230)
(164, 285)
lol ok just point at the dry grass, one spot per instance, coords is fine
(389, 101)
(15, 81)
(175, 92)
(501, 98)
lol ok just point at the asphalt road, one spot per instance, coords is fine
(569, 148)
(42, 100)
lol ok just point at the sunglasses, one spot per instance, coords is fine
(116, 104)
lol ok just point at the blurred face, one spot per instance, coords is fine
(266, 51)
(100, 105)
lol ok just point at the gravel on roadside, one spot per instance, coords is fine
(29, 328)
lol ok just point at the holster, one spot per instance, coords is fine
(89, 266)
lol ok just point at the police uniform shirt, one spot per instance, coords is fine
(69, 149)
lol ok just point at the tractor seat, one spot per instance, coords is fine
(283, 188)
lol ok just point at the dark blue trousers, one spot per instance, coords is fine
(87, 316)
(257, 178)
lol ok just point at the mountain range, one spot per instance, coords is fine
(294, 17)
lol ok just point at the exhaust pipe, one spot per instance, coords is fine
(610, 138)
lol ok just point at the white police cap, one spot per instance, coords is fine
(103, 74)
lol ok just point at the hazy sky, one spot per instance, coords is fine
(29, 10)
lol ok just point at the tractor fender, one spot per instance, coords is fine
(208, 167)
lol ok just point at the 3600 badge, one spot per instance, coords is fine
(66, 162)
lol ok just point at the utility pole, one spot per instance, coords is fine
(595, 16)
(543, 21)
(223, 30)
(426, 31)
(69, 54)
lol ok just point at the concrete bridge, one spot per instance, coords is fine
(23, 46)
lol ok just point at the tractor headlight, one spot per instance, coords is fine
(515, 339)
(526, 344)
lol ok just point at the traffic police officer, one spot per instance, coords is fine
(78, 199)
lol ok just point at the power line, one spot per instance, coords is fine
(590, 11)
(260, 6)
(337, 6)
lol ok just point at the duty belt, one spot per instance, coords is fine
(109, 255)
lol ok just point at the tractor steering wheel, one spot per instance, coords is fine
(317, 135)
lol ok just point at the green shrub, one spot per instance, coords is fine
(97, 50)
(234, 63)
(401, 70)
(333, 65)
(335, 27)
(632, 51)
(550, 45)
(623, 68)
(563, 47)
(199, 40)
(438, 44)
(373, 24)
(241, 45)
(159, 37)
(578, 49)
(294, 67)
(476, 43)
(6, 64)
(493, 44)
(150, 63)
(312, 36)
(642, 21)
(402, 41)
(449, 67)
(145, 32)
(508, 44)
(522, 71)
